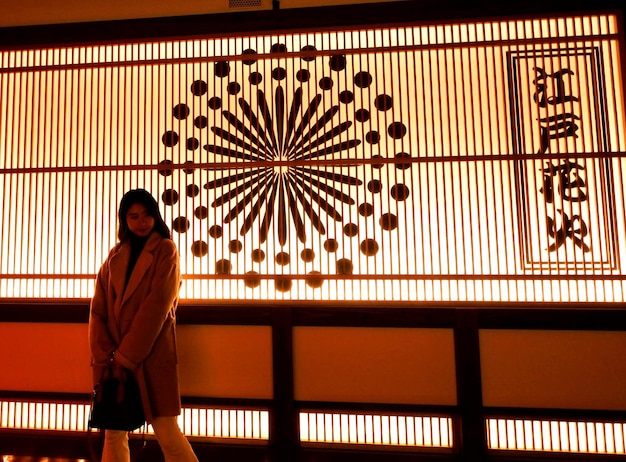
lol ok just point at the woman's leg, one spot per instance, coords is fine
(115, 446)
(173, 443)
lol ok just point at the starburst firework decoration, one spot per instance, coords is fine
(287, 185)
(292, 156)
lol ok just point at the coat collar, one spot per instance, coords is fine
(119, 263)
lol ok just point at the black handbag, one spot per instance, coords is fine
(116, 401)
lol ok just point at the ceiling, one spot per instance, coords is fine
(25, 23)
(40, 12)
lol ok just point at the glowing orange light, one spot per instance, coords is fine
(557, 436)
(391, 175)
(249, 424)
(391, 430)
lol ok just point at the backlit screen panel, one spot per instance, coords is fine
(459, 162)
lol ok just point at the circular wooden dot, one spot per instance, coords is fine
(223, 267)
(201, 212)
(199, 248)
(331, 245)
(369, 247)
(181, 224)
(315, 280)
(235, 246)
(400, 192)
(169, 196)
(282, 258)
(216, 231)
(388, 221)
(283, 284)
(307, 255)
(258, 255)
(351, 230)
(344, 266)
(252, 280)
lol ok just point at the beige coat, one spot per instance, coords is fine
(139, 323)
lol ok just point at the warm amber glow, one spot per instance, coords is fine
(557, 436)
(247, 424)
(469, 162)
(44, 416)
(393, 430)
(7, 458)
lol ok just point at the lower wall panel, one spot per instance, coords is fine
(225, 361)
(361, 392)
(554, 369)
(45, 357)
(376, 365)
(215, 361)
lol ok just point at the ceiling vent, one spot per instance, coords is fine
(243, 3)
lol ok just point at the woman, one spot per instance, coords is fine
(132, 322)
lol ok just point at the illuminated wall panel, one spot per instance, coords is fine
(225, 361)
(469, 162)
(218, 361)
(249, 424)
(553, 369)
(45, 357)
(369, 429)
(556, 436)
(374, 365)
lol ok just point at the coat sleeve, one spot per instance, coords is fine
(154, 310)
(100, 341)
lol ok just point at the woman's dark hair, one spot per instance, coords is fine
(143, 197)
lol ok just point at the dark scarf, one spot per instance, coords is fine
(137, 244)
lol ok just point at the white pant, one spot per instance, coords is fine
(173, 443)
